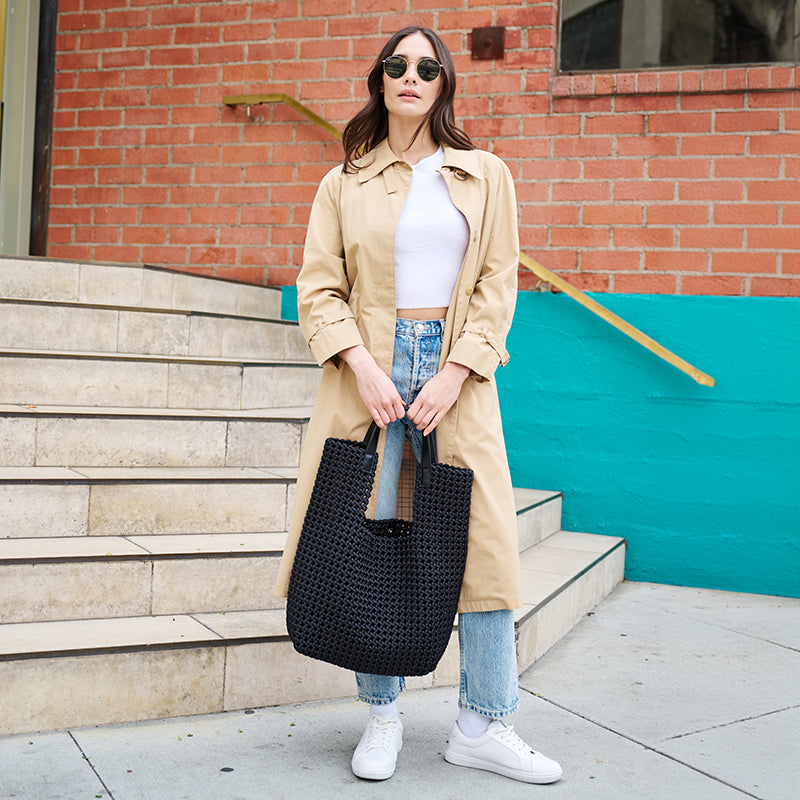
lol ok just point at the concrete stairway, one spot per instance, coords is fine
(150, 428)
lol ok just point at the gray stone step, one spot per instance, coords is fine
(61, 577)
(111, 329)
(41, 502)
(94, 577)
(116, 437)
(31, 377)
(129, 286)
(538, 515)
(60, 674)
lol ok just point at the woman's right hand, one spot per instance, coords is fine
(379, 394)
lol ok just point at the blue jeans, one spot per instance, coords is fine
(488, 683)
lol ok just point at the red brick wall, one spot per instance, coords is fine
(668, 182)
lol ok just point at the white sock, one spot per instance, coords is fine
(472, 724)
(385, 710)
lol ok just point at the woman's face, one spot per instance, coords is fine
(409, 95)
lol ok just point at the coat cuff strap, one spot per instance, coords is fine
(479, 354)
(331, 339)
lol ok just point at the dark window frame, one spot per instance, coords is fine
(668, 66)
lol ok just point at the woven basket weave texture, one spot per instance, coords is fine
(378, 596)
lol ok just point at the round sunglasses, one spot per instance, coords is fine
(428, 68)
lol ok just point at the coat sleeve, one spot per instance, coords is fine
(481, 343)
(323, 290)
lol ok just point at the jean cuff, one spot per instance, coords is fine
(493, 713)
(382, 700)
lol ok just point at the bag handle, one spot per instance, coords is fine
(370, 446)
(429, 454)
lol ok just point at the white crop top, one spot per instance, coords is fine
(431, 239)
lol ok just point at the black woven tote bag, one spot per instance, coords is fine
(378, 596)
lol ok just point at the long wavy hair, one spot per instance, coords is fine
(371, 125)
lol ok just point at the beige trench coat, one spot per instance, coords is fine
(346, 297)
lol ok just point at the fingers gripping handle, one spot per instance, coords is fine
(429, 456)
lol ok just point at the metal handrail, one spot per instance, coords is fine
(260, 99)
(612, 319)
(537, 269)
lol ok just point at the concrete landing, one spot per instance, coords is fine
(661, 693)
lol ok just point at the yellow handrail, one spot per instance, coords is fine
(541, 272)
(612, 319)
(259, 99)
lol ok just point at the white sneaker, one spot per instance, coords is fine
(376, 754)
(501, 750)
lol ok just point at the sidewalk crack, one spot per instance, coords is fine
(732, 722)
(91, 766)
(652, 749)
(721, 625)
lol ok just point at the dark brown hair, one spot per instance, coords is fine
(371, 125)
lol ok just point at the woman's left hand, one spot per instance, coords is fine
(437, 396)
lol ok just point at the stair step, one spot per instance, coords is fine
(105, 548)
(113, 576)
(277, 413)
(23, 278)
(90, 436)
(111, 329)
(86, 577)
(39, 377)
(538, 515)
(564, 577)
(81, 637)
(44, 502)
(243, 659)
(102, 501)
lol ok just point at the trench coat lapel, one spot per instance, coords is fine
(464, 176)
(458, 167)
(377, 161)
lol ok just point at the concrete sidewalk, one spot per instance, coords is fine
(663, 693)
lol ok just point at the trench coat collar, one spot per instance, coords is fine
(382, 156)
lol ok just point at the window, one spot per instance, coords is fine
(590, 39)
(637, 34)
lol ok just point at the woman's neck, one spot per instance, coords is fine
(401, 133)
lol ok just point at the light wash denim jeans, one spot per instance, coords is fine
(488, 682)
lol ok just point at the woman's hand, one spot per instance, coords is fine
(437, 396)
(379, 394)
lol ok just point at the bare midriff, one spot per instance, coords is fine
(422, 313)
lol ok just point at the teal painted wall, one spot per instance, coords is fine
(289, 302)
(703, 482)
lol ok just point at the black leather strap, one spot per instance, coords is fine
(429, 455)
(370, 446)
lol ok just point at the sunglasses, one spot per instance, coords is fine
(428, 68)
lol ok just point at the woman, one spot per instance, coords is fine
(410, 271)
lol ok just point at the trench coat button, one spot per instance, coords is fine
(469, 291)
(460, 174)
